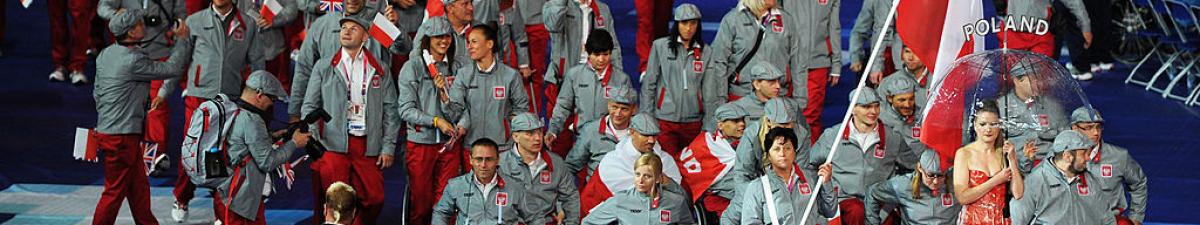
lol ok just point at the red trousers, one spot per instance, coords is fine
(428, 172)
(564, 141)
(853, 212)
(539, 40)
(360, 172)
(184, 188)
(652, 19)
(1041, 44)
(70, 49)
(817, 80)
(124, 177)
(675, 136)
(231, 218)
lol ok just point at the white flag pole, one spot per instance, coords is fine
(862, 81)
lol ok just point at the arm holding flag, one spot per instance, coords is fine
(277, 13)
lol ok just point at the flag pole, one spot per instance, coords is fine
(862, 81)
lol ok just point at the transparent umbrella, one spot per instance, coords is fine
(1035, 95)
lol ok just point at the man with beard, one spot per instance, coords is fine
(1059, 192)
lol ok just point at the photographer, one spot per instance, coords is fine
(252, 151)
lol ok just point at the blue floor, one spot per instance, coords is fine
(37, 121)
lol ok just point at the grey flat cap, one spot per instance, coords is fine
(437, 26)
(1071, 140)
(526, 121)
(931, 162)
(867, 97)
(622, 94)
(763, 70)
(687, 11)
(356, 19)
(265, 82)
(644, 124)
(780, 110)
(122, 22)
(729, 111)
(1086, 115)
(893, 85)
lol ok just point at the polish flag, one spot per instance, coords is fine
(434, 8)
(85, 145)
(615, 173)
(383, 30)
(270, 9)
(938, 48)
(705, 161)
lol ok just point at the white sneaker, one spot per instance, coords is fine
(58, 75)
(1096, 68)
(177, 213)
(1082, 76)
(78, 78)
(1106, 66)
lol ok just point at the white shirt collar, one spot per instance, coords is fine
(534, 166)
(489, 68)
(864, 139)
(486, 188)
(219, 14)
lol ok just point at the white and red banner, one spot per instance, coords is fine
(705, 161)
(383, 30)
(85, 145)
(615, 173)
(270, 9)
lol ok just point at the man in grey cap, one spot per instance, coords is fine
(252, 150)
(780, 113)
(360, 96)
(672, 81)
(869, 152)
(123, 75)
(600, 136)
(424, 85)
(322, 40)
(547, 182)
(1028, 116)
(1118, 172)
(1063, 190)
(923, 196)
(615, 172)
(713, 189)
(901, 109)
(765, 80)
(581, 92)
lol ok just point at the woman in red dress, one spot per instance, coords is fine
(983, 172)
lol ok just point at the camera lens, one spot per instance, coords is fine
(152, 21)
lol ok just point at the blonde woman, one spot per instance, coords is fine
(646, 203)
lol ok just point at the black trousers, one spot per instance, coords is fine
(1067, 33)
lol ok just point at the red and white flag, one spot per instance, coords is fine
(705, 161)
(85, 145)
(270, 9)
(383, 30)
(615, 173)
(938, 48)
(434, 8)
